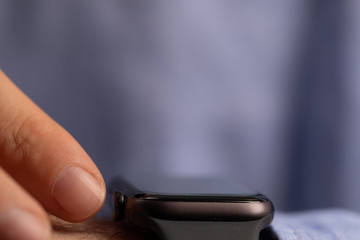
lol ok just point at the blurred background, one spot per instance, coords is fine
(266, 92)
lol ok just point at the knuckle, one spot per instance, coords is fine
(17, 141)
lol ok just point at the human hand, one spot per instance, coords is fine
(42, 169)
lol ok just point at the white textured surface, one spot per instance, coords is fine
(332, 224)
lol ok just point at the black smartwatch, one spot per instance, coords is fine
(178, 208)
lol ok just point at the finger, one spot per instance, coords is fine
(45, 159)
(21, 217)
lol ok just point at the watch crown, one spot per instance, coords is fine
(120, 202)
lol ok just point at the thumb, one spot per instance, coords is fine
(45, 159)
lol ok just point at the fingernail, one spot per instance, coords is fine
(78, 193)
(18, 224)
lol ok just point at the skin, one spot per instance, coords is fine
(35, 154)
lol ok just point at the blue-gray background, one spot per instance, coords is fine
(266, 92)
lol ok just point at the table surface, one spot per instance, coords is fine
(330, 224)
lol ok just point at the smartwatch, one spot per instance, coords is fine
(191, 208)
